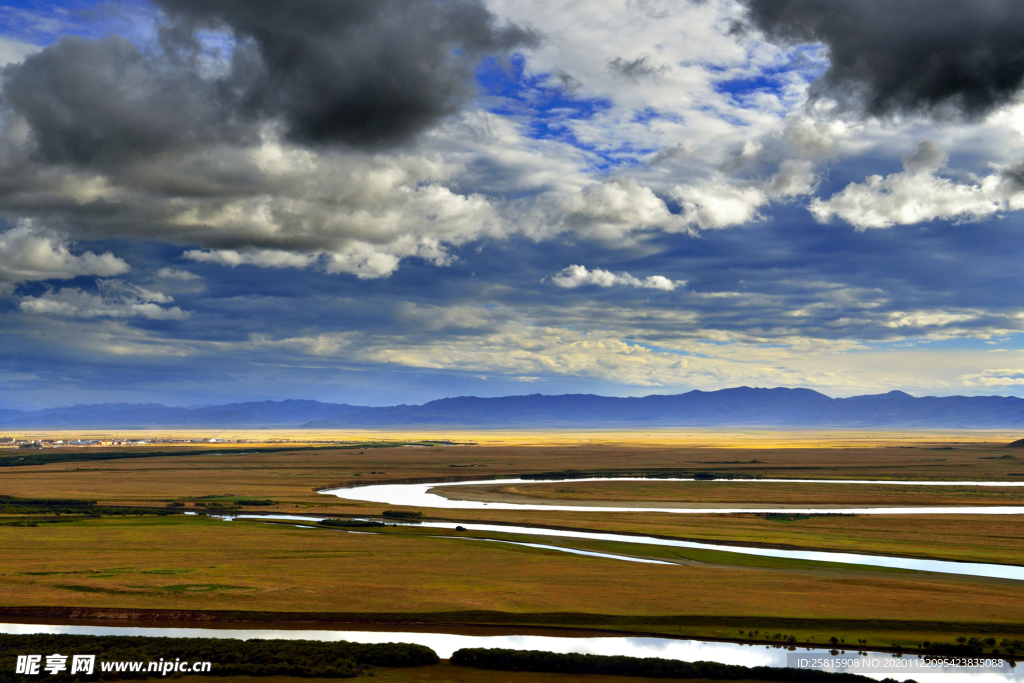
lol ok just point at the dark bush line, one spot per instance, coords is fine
(9, 505)
(402, 514)
(48, 457)
(550, 662)
(302, 658)
(45, 502)
(668, 473)
(972, 647)
(349, 523)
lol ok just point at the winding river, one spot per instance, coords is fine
(426, 495)
(992, 571)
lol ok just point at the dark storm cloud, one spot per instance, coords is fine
(354, 71)
(361, 73)
(913, 56)
(104, 101)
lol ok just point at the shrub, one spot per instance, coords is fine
(349, 523)
(550, 662)
(402, 514)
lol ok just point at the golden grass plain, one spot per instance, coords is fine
(197, 564)
(202, 564)
(717, 438)
(295, 476)
(291, 479)
(703, 494)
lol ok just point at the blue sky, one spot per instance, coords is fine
(625, 198)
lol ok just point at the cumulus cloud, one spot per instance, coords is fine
(577, 276)
(265, 258)
(918, 194)
(722, 203)
(616, 209)
(14, 51)
(927, 319)
(814, 138)
(176, 274)
(351, 71)
(87, 101)
(613, 209)
(347, 216)
(311, 139)
(930, 56)
(273, 204)
(347, 71)
(29, 253)
(636, 69)
(996, 377)
(795, 178)
(292, 144)
(115, 299)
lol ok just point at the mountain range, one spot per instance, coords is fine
(741, 406)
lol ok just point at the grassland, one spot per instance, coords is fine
(198, 566)
(737, 494)
(294, 476)
(202, 565)
(290, 479)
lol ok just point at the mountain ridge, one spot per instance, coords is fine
(738, 406)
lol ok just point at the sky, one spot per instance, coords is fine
(207, 201)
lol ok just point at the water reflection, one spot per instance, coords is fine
(444, 644)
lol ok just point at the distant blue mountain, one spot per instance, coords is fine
(742, 406)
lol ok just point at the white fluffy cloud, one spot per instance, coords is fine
(611, 210)
(918, 194)
(577, 276)
(175, 274)
(116, 299)
(29, 253)
(722, 203)
(345, 214)
(14, 51)
(266, 258)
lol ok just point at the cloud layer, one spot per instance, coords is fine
(377, 201)
(930, 56)
(918, 195)
(578, 276)
(29, 253)
(116, 299)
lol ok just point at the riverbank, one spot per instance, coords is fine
(230, 623)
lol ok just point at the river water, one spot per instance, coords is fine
(421, 495)
(993, 571)
(444, 644)
(425, 496)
